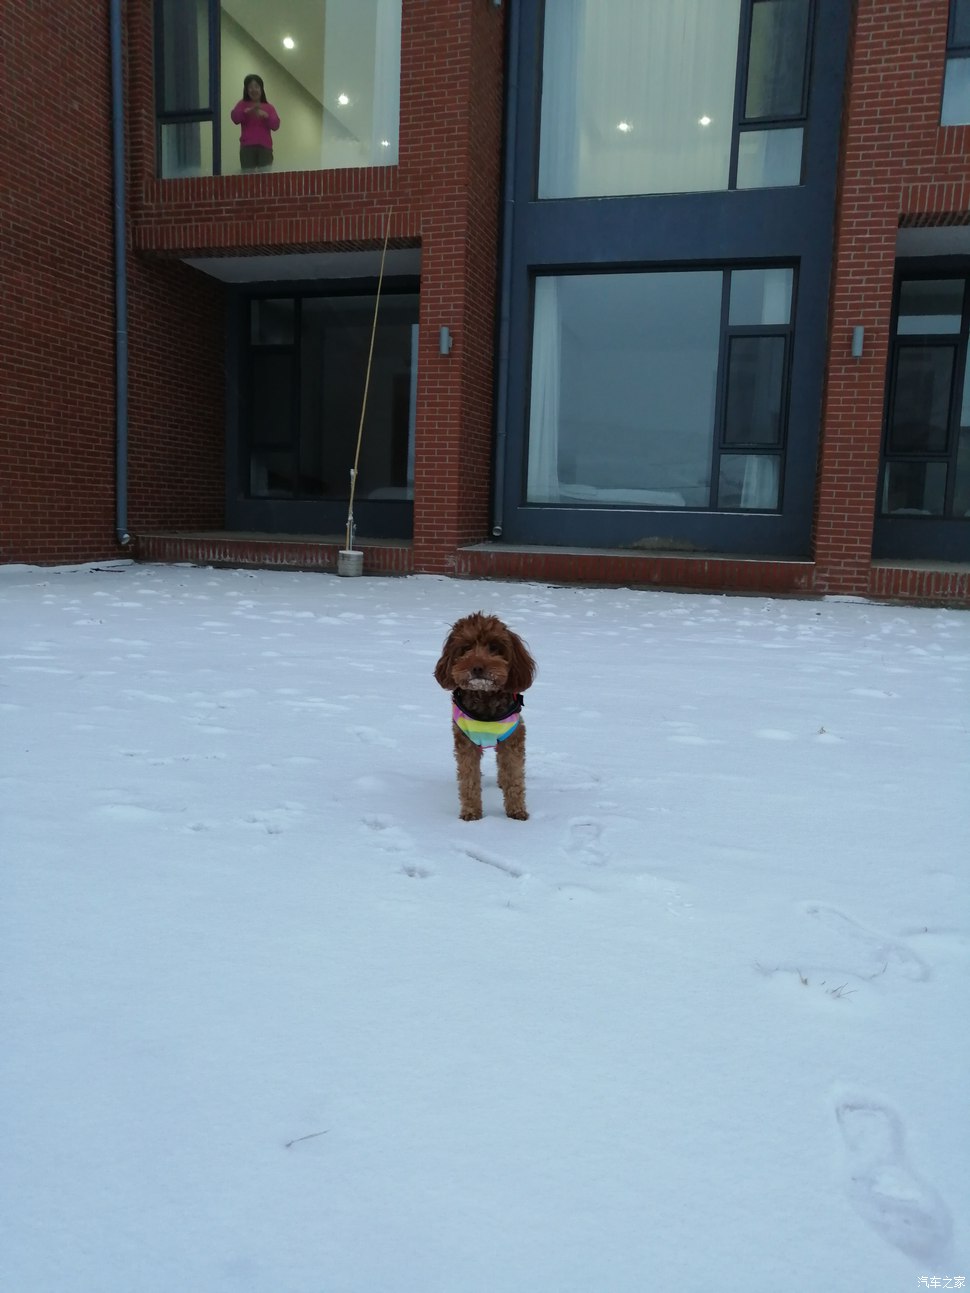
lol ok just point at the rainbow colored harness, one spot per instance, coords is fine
(483, 732)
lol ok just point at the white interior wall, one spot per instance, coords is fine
(297, 144)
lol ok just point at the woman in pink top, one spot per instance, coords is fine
(257, 118)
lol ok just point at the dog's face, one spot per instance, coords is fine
(483, 654)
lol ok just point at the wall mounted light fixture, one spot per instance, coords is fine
(444, 341)
(858, 336)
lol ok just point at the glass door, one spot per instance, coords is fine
(304, 368)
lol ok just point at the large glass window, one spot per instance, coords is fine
(330, 73)
(926, 467)
(956, 83)
(307, 364)
(660, 390)
(641, 98)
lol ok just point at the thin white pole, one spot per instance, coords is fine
(363, 403)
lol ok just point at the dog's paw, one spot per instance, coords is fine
(471, 817)
(520, 815)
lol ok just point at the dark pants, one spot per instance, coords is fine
(252, 156)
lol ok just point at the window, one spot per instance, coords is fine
(660, 390)
(926, 467)
(956, 82)
(644, 98)
(330, 69)
(306, 360)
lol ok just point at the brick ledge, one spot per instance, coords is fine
(896, 581)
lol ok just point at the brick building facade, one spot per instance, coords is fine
(902, 191)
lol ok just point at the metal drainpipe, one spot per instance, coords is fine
(121, 280)
(508, 203)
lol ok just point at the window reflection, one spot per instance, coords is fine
(930, 305)
(748, 481)
(184, 85)
(760, 296)
(926, 469)
(331, 71)
(769, 159)
(637, 97)
(307, 362)
(625, 375)
(623, 389)
(956, 84)
(921, 400)
(186, 148)
(272, 322)
(776, 59)
(755, 388)
(914, 488)
(336, 86)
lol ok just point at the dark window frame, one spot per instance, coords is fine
(203, 114)
(957, 51)
(741, 124)
(943, 537)
(744, 124)
(304, 514)
(727, 332)
(786, 225)
(953, 46)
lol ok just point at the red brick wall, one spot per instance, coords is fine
(443, 196)
(177, 381)
(898, 165)
(461, 121)
(57, 428)
(56, 401)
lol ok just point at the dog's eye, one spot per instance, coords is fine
(495, 646)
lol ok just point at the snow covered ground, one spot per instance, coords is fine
(274, 1019)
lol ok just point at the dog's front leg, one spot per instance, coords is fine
(510, 761)
(469, 759)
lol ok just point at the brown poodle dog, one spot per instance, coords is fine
(487, 667)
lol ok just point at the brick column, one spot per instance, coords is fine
(898, 167)
(458, 116)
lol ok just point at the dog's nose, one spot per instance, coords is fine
(478, 672)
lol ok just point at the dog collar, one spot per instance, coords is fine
(486, 733)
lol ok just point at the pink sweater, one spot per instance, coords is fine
(255, 129)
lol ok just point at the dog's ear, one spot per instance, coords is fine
(442, 670)
(522, 667)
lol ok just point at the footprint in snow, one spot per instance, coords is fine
(274, 820)
(388, 834)
(494, 861)
(875, 953)
(371, 736)
(416, 872)
(583, 835)
(904, 1210)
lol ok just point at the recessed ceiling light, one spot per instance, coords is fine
(704, 121)
(343, 100)
(624, 126)
(289, 42)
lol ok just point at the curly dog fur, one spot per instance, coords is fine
(487, 667)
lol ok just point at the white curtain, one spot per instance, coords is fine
(776, 302)
(769, 158)
(387, 84)
(638, 96)
(561, 93)
(543, 485)
(759, 488)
